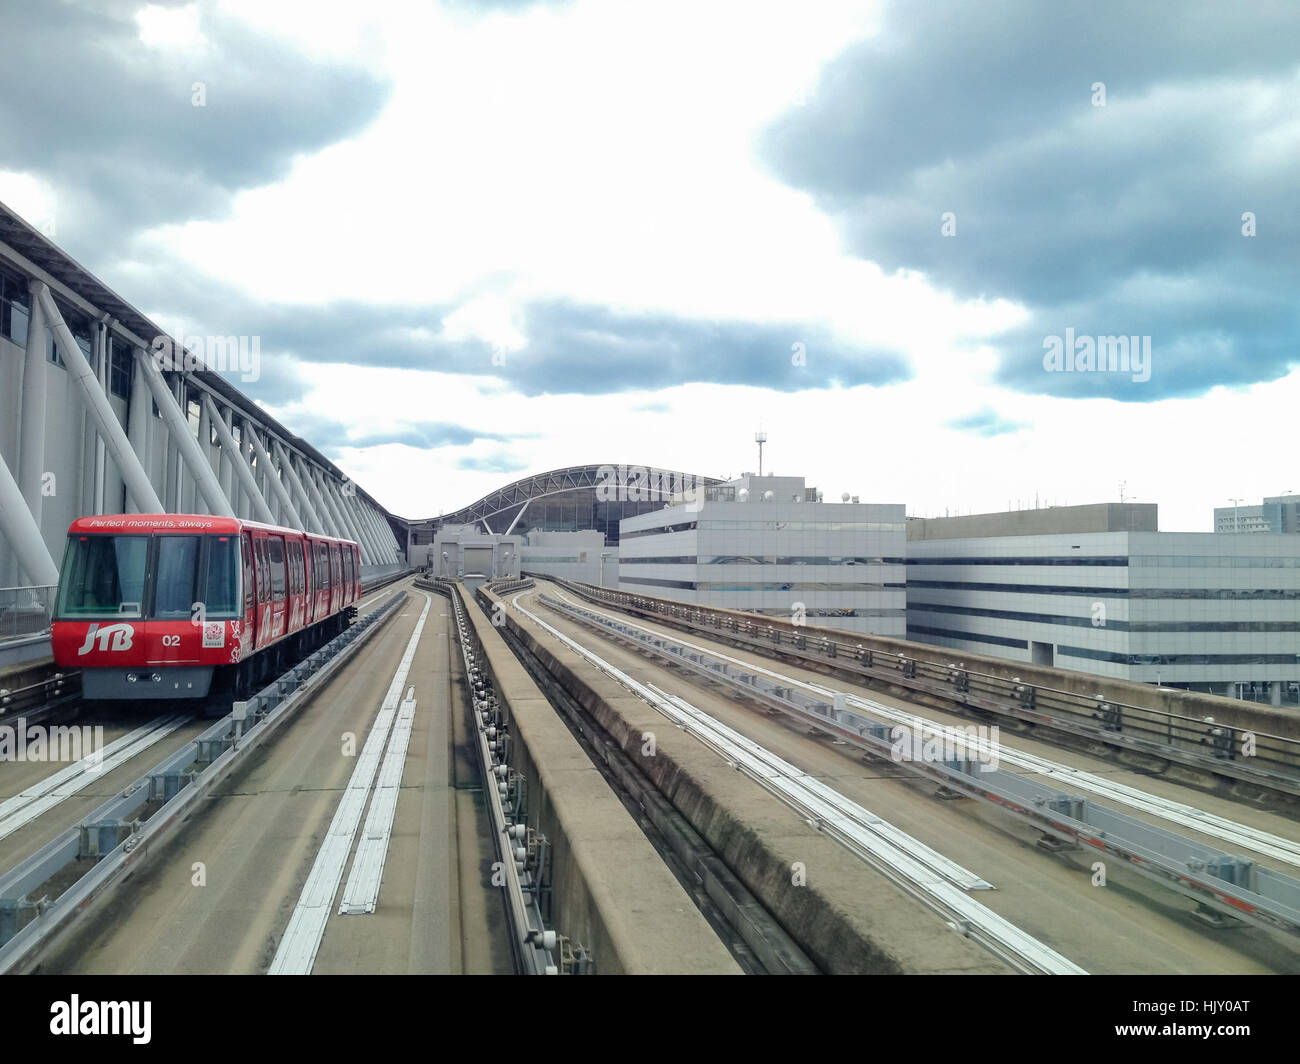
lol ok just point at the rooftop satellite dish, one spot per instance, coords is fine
(844, 497)
(769, 495)
(743, 495)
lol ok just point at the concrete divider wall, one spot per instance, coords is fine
(610, 889)
(1248, 716)
(847, 917)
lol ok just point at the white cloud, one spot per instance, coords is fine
(606, 154)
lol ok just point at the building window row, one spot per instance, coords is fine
(15, 306)
(760, 559)
(1214, 561)
(1179, 659)
(1071, 560)
(790, 585)
(661, 530)
(121, 367)
(1229, 593)
(1110, 625)
(715, 523)
(831, 611)
(969, 637)
(1143, 561)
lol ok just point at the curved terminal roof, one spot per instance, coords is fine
(655, 482)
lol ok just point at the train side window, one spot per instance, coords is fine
(263, 576)
(220, 596)
(250, 584)
(275, 556)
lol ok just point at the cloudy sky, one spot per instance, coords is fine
(481, 240)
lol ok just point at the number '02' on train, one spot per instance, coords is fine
(180, 605)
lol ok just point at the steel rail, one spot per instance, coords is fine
(120, 841)
(1274, 762)
(1213, 878)
(964, 914)
(1231, 831)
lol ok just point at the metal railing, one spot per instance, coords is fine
(1242, 753)
(1233, 885)
(25, 611)
(524, 853)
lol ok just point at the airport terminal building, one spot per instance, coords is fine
(769, 545)
(1098, 589)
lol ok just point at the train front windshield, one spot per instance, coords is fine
(161, 577)
(103, 576)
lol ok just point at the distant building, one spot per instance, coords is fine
(769, 545)
(1278, 514)
(463, 552)
(572, 499)
(1091, 517)
(1196, 610)
(578, 556)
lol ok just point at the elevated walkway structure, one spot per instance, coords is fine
(102, 412)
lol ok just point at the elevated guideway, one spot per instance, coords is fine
(1107, 920)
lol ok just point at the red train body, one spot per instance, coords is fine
(176, 605)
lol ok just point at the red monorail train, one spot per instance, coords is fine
(175, 605)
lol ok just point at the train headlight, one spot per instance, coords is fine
(131, 677)
(156, 678)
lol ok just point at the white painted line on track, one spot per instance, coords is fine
(361, 895)
(1232, 831)
(1004, 938)
(302, 937)
(24, 807)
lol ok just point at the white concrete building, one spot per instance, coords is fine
(762, 544)
(1196, 610)
(1275, 515)
(580, 556)
(465, 552)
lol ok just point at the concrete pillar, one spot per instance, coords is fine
(227, 474)
(250, 483)
(138, 415)
(287, 508)
(190, 456)
(257, 505)
(21, 532)
(97, 444)
(368, 542)
(335, 517)
(303, 501)
(178, 426)
(205, 446)
(387, 541)
(97, 402)
(341, 503)
(1275, 692)
(381, 548)
(308, 476)
(31, 440)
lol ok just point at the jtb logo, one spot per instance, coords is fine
(120, 634)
